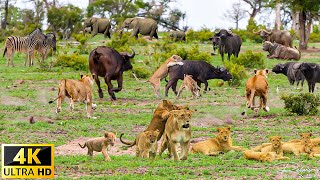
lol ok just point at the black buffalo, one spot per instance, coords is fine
(312, 73)
(215, 43)
(110, 64)
(201, 72)
(292, 71)
(229, 43)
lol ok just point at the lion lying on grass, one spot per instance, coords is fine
(262, 156)
(312, 149)
(217, 145)
(177, 131)
(161, 73)
(275, 145)
(100, 144)
(77, 91)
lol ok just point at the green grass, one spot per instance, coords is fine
(134, 109)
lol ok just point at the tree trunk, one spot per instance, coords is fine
(4, 22)
(237, 24)
(278, 20)
(303, 34)
(295, 20)
(254, 13)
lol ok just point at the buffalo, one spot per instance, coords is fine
(278, 36)
(177, 35)
(280, 51)
(292, 71)
(215, 43)
(110, 64)
(201, 72)
(312, 73)
(229, 43)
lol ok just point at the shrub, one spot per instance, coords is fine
(237, 71)
(73, 61)
(122, 44)
(142, 72)
(201, 36)
(314, 37)
(301, 104)
(250, 60)
(82, 39)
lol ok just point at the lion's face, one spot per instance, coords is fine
(305, 137)
(111, 137)
(276, 141)
(152, 135)
(174, 58)
(88, 78)
(266, 157)
(166, 104)
(309, 147)
(183, 118)
(224, 133)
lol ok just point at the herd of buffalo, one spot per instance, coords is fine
(110, 64)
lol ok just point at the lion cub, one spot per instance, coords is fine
(191, 85)
(77, 91)
(259, 156)
(214, 146)
(275, 146)
(312, 149)
(177, 131)
(100, 144)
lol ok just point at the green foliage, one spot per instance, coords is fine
(73, 61)
(122, 44)
(82, 39)
(142, 72)
(301, 104)
(316, 28)
(314, 37)
(65, 17)
(163, 50)
(250, 60)
(248, 36)
(200, 36)
(237, 71)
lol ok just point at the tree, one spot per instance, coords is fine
(255, 5)
(278, 20)
(6, 11)
(308, 11)
(236, 14)
(61, 18)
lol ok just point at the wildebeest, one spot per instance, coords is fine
(312, 73)
(201, 72)
(177, 35)
(278, 36)
(229, 43)
(280, 51)
(292, 71)
(215, 43)
(110, 64)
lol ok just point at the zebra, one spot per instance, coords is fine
(44, 46)
(25, 44)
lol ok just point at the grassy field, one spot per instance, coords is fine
(25, 92)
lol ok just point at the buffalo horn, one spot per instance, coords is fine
(216, 31)
(229, 31)
(133, 53)
(256, 32)
(268, 32)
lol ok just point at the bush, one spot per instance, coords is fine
(314, 37)
(163, 50)
(301, 104)
(201, 36)
(73, 61)
(248, 36)
(237, 71)
(250, 60)
(82, 39)
(142, 72)
(122, 44)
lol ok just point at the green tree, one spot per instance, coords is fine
(308, 11)
(65, 17)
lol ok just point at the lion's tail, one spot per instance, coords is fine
(258, 148)
(127, 143)
(85, 145)
(62, 89)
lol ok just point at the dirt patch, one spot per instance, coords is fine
(12, 101)
(73, 148)
(209, 120)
